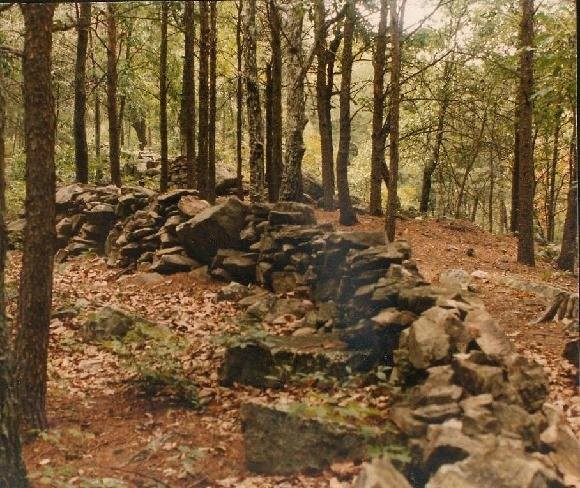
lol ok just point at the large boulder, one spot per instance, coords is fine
(212, 229)
(286, 439)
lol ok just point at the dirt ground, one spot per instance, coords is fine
(104, 432)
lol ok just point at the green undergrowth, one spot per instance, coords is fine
(154, 354)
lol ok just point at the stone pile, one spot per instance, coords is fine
(460, 393)
(149, 234)
(87, 213)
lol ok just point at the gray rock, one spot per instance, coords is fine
(486, 333)
(455, 278)
(190, 205)
(288, 439)
(428, 343)
(380, 474)
(497, 468)
(217, 227)
(107, 323)
(172, 263)
(272, 361)
(478, 378)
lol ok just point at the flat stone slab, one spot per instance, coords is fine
(290, 438)
(272, 361)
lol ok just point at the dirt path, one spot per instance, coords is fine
(105, 432)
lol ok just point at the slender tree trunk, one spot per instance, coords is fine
(432, 165)
(392, 201)
(163, 98)
(526, 152)
(551, 173)
(569, 250)
(253, 103)
(188, 92)
(291, 189)
(239, 101)
(323, 106)
(268, 132)
(210, 193)
(39, 233)
(12, 470)
(474, 154)
(274, 175)
(80, 128)
(347, 213)
(203, 126)
(515, 174)
(378, 141)
(97, 108)
(114, 141)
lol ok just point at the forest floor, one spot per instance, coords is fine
(105, 432)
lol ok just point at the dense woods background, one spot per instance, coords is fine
(459, 108)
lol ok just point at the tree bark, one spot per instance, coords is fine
(12, 470)
(210, 192)
(203, 126)
(254, 110)
(347, 213)
(239, 101)
(432, 165)
(325, 60)
(551, 182)
(569, 250)
(79, 123)
(378, 137)
(515, 196)
(112, 112)
(291, 189)
(188, 92)
(526, 152)
(274, 171)
(163, 98)
(35, 296)
(392, 200)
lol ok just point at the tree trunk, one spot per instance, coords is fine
(210, 192)
(163, 98)
(80, 128)
(291, 189)
(203, 126)
(325, 60)
(274, 173)
(432, 165)
(140, 126)
(39, 233)
(378, 140)
(392, 201)
(515, 174)
(114, 141)
(188, 92)
(569, 249)
(12, 470)
(526, 153)
(347, 213)
(268, 132)
(490, 195)
(239, 101)
(551, 180)
(474, 154)
(253, 103)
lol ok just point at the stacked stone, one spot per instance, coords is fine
(468, 399)
(272, 247)
(86, 214)
(148, 235)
